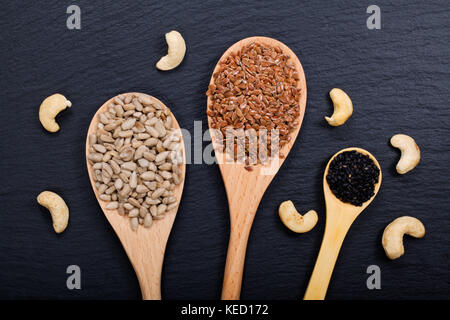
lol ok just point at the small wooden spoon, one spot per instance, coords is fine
(145, 247)
(245, 188)
(340, 216)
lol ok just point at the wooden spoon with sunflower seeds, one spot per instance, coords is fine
(145, 247)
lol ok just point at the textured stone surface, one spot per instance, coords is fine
(397, 77)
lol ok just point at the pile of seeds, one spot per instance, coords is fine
(352, 177)
(255, 88)
(136, 156)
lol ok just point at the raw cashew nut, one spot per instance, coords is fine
(176, 51)
(343, 107)
(57, 207)
(393, 235)
(50, 108)
(410, 152)
(295, 221)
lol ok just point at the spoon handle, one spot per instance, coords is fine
(329, 251)
(149, 277)
(234, 267)
(146, 254)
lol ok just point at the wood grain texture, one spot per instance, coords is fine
(340, 217)
(145, 247)
(246, 188)
(397, 78)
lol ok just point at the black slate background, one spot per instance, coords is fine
(397, 77)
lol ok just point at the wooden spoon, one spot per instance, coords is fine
(145, 247)
(340, 216)
(245, 188)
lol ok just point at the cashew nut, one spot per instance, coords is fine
(57, 207)
(393, 235)
(50, 108)
(176, 51)
(343, 107)
(410, 152)
(295, 221)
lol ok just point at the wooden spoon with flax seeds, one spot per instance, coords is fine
(245, 185)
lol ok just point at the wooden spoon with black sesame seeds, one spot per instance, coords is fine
(246, 186)
(340, 216)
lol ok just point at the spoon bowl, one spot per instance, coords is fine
(340, 216)
(145, 247)
(245, 188)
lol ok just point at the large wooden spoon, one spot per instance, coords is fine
(245, 188)
(340, 216)
(145, 247)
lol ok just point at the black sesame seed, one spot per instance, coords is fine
(352, 177)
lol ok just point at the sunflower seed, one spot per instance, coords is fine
(148, 221)
(133, 213)
(134, 223)
(112, 205)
